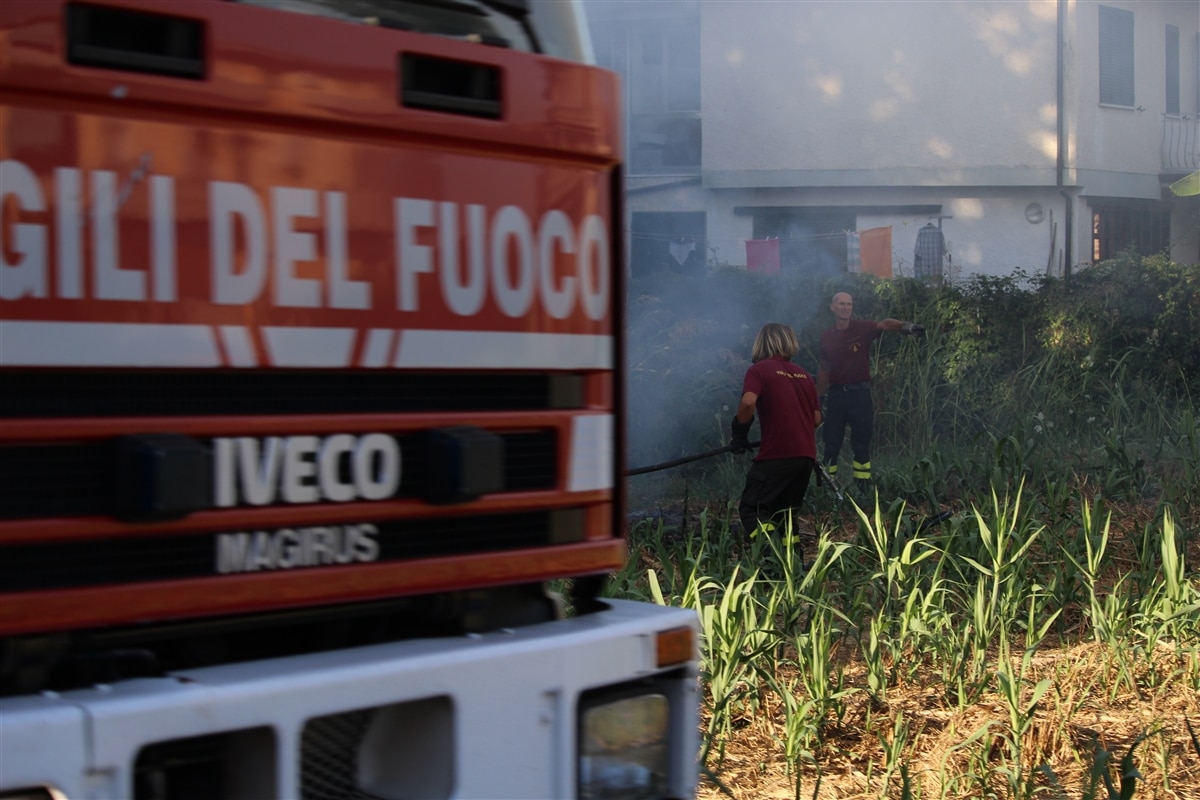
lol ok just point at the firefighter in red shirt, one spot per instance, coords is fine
(789, 412)
(844, 380)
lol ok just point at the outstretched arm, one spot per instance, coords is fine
(899, 326)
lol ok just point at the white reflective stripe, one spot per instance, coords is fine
(501, 350)
(591, 453)
(106, 344)
(379, 344)
(238, 348)
(309, 347)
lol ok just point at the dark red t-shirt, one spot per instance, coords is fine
(787, 400)
(847, 353)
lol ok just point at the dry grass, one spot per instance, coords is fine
(1138, 699)
(1073, 717)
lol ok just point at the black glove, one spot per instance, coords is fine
(912, 328)
(740, 433)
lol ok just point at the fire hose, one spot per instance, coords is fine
(823, 473)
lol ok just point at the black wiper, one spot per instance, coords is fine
(515, 9)
(470, 20)
(461, 6)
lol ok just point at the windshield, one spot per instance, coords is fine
(552, 27)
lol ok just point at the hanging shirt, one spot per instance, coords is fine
(927, 255)
(681, 249)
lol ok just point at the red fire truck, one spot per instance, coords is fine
(310, 342)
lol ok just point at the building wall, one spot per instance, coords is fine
(949, 108)
(1114, 149)
(885, 93)
(986, 231)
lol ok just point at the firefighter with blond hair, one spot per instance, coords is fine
(784, 397)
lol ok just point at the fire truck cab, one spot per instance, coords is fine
(310, 432)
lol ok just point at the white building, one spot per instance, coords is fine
(1037, 134)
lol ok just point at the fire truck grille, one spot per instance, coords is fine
(41, 394)
(158, 557)
(328, 756)
(77, 479)
(403, 749)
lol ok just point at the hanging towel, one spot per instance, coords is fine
(762, 255)
(875, 249)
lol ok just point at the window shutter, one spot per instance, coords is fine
(1116, 56)
(1172, 69)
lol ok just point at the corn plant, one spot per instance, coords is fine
(814, 662)
(730, 630)
(1021, 711)
(1100, 773)
(802, 722)
(1170, 608)
(893, 751)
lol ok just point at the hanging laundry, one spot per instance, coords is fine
(928, 253)
(875, 251)
(682, 247)
(762, 255)
(853, 252)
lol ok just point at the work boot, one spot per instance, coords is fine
(863, 488)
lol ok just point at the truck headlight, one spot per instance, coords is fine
(624, 745)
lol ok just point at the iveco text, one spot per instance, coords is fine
(304, 469)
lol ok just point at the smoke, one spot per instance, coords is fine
(688, 344)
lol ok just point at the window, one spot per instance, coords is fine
(1116, 57)
(667, 241)
(655, 46)
(1122, 225)
(1172, 69)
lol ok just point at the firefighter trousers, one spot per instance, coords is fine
(849, 406)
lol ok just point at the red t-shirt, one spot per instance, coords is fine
(846, 354)
(787, 400)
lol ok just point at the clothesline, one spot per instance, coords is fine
(661, 237)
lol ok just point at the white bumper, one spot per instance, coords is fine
(511, 731)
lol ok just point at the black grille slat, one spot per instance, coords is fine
(64, 480)
(43, 394)
(529, 461)
(330, 747)
(60, 479)
(33, 567)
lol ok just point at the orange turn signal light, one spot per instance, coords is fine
(674, 646)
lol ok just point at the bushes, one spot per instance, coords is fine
(998, 349)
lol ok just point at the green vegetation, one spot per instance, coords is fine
(1041, 639)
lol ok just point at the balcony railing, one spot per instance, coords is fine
(1181, 143)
